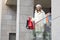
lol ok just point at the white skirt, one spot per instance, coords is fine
(39, 27)
(39, 30)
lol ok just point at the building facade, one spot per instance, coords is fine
(8, 20)
(11, 27)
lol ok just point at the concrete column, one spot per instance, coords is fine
(25, 10)
(0, 16)
(55, 20)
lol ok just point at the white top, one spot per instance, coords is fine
(39, 16)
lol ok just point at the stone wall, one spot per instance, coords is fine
(26, 9)
(8, 23)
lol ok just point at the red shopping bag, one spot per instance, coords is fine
(30, 23)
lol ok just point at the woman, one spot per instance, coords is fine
(39, 19)
(48, 26)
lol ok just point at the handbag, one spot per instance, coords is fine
(30, 24)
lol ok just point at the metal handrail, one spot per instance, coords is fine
(41, 19)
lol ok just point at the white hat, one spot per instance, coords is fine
(38, 5)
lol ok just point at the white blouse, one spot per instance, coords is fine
(39, 16)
